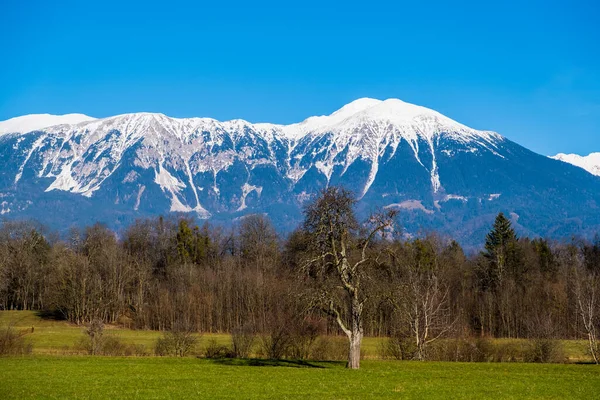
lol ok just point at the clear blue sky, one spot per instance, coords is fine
(529, 70)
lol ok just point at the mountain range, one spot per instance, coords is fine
(442, 175)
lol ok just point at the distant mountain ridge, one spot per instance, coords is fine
(590, 163)
(441, 174)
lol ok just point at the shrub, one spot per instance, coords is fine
(330, 349)
(178, 343)
(13, 342)
(275, 342)
(216, 351)
(110, 346)
(243, 339)
(545, 351)
(398, 347)
(302, 340)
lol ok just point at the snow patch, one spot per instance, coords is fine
(455, 197)
(166, 181)
(410, 205)
(246, 190)
(139, 197)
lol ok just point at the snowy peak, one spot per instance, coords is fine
(408, 119)
(33, 122)
(392, 115)
(590, 163)
(355, 106)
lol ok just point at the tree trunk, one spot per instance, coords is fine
(356, 333)
(354, 351)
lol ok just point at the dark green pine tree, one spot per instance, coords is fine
(500, 248)
(185, 243)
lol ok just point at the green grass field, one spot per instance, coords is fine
(53, 371)
(151, 377)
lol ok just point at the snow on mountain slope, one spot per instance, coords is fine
(82, 157)
(181, 152)
(590, 163)
(32, 122)
(366, 128)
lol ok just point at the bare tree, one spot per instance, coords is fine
(587, 294)
(340, 257)
(95, 333)
(421, 294)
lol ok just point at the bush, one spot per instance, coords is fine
(110, 346)
(178, 343)
(545, 351)
(398, 347)
(330, 349)
(13, 342)
(486, 350)
(243, 339)
(475, 350)
(302, 340)
(275, 343)
(216, 351)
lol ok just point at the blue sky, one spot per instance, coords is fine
(528, 71)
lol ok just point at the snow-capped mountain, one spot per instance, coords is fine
(33, 122)
(590, 163)
(443, 175)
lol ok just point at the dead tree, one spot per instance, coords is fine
(339, 260)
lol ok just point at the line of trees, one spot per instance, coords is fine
(334, 273)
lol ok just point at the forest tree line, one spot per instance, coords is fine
(166, 272)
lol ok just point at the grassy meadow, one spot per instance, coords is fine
(54, 370)
(62, 377)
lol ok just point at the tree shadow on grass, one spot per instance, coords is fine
(50, 315)
(584, 363)
(258, 362)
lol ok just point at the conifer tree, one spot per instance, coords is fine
(500, 247)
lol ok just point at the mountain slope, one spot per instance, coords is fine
(441, 174)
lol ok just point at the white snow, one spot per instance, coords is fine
(455, 197)
(591, 162)
(64, 181)
(246, 189)
(139, 197)
(33, 122)
(166, 181)
(410, 205)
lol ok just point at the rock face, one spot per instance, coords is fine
(442, 175)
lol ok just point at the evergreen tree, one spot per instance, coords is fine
(546, 260)
(501, 249)
(185, 242)
(192, 243)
